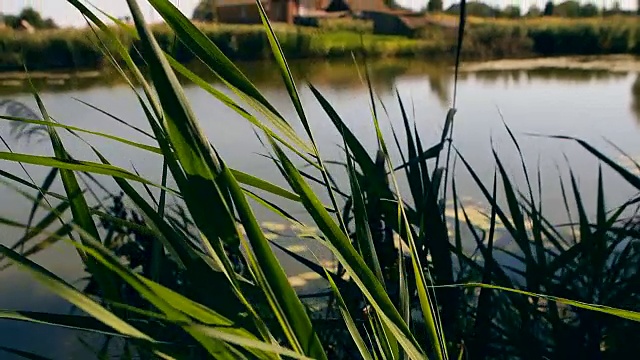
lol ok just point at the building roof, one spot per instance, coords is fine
(367, 5)
(355, 6)
(221, 3)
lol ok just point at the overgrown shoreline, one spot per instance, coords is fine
(74, 49)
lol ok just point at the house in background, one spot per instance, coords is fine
(357, 7)
(246, 11)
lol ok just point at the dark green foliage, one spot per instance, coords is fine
(345, 24)
(31, 16)
(534, 11)
(588, 10)
(76, 48)
(549, 8)
(205, 11)
(487, 41)
(570, 9)
(435, 6)
(511, 12)
(574, 9)
(475, 8)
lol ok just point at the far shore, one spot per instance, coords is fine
(612, 63)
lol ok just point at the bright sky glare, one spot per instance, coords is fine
(66, 15)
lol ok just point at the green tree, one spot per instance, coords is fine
(588, 10)
(549, 8)
(474, 8)
(534, 11)
(205, 11)
(34, 18)
(11, 21)
(569, 9)
(434, 5)
(511, 11)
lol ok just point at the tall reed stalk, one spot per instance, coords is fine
(211, 285)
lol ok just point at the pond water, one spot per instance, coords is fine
(593, 105)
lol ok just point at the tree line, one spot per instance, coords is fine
(568, 9)
(30, 15)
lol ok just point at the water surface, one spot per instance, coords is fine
(592, 105)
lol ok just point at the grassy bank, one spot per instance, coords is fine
(75, 48)
(485, 39)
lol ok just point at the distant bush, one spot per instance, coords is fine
(585, 38)
(474, 8)
(346, 24)
(497, 41)
(75, 48)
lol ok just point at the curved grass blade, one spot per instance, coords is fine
(340, 245)
(46, 185)
(208, 52)
(248, 343)
(75, 165)
(351, 325)
(119, 120)
(621, 313)
(69, 293)
(296, 144)
(175, 309)
(74, 128)
(293, 310)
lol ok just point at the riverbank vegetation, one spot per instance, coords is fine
(417, 277)
(71, 49)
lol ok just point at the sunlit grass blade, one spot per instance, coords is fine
(207, 51)
(78, 204)
(292, 90)
(621, 313)
(82, 323)
(67, 292)
(74, 128)
(294, 143)
(192, 149)
(74, 165)
(62, 232)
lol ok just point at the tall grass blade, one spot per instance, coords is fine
(340, 245)
(274, 274)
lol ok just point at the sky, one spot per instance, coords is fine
(66, 15)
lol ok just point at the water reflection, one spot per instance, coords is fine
(635, 98)
(339, 79)
(550, 74)
(337, 75)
